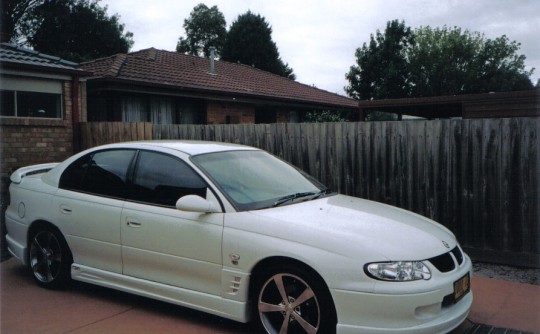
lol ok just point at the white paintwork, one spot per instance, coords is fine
(186, 256)
(227, 308)
(90, 223)
(173, 247)
(194, 203)
(18, 175)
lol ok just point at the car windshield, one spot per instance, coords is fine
(256, 179)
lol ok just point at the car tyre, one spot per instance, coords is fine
(293, 300)
(49, 258)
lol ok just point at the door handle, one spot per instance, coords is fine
(133, 224)
(65, 210)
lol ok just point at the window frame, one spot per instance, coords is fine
(135, 169)
(54, 87)
(131, 173)
(89, 157)
(16, 113)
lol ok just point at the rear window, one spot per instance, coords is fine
(101, 173)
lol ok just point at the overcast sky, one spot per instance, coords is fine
(318, 38)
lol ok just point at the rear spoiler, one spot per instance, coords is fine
(20, 173)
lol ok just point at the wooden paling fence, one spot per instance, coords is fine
(100, 133)
(479, 178)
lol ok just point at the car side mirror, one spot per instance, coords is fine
(194, 203)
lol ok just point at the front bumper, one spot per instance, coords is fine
(397, 314)
(397, 310)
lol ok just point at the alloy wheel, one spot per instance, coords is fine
(45, 256)
(287, 304)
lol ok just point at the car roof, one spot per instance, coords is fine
(190, 147)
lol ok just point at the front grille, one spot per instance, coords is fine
(445, 263)
(458, 255)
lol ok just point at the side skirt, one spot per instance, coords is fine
(216, 305)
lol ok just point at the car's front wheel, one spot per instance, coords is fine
(49, 258)
(292, 300)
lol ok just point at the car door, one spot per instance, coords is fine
(89, 201)
(161, 243)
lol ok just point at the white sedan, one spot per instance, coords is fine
(234, 231)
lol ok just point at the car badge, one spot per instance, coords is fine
(445, 244)
(234, 258)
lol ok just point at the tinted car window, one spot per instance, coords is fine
(72, 177)
(161, 179)
(103, 173)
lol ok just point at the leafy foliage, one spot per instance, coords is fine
(204, 28)
(326, 116)
(381, 69)
(12, 12)
(447, 61)
(249, 41)
(76, 30)
(432, 62)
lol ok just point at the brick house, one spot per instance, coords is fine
(167, 87)
(42, 100)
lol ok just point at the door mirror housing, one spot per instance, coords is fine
(194, 203)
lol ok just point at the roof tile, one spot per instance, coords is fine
(12, 54)
(152, 66)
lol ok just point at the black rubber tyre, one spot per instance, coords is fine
(293, 300)
(49, 258)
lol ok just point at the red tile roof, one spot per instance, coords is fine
(184, 72)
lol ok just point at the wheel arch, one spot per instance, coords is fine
(276, 262)
(39, 225)
(280, 261)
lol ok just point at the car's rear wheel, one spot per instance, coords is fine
(49, 258)
(292, 300)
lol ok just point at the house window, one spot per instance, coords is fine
(31, 104)
(157, 110)
(190, 111)
(133, 109)
(265, 116)
(30, 98)
(8, 103)
(161, 110)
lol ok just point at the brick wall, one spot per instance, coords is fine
(229, 113)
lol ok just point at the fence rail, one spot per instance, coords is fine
(479, 178)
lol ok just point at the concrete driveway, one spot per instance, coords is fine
(84, 308)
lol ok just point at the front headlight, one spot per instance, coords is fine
(401, 271)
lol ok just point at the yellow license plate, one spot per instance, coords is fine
(461, 287)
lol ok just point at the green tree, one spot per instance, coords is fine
(381, 69)
(76, 30)
(12, 13)
(249, 41)
(205, 27)
(433, 62)
(446, 61)
(326, 116)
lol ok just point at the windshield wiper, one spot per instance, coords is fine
(292, 197)
(325, 191)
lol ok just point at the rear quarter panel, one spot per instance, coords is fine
(30, 201)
